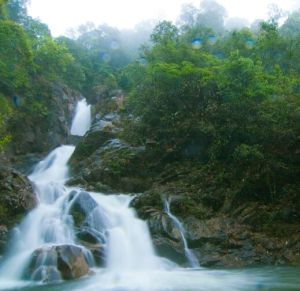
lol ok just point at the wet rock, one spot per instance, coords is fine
(81, 207)
(169, 249)
(90, 236)
(46, 274)
(95, 242)
(57, 262)
(88, 220)
(26, 163)
(16, 199)
(166, 237)
(71, 262)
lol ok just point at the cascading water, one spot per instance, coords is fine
(47, 223)
(126, 239)
(82, 119)
(192, 260)
(129, 261)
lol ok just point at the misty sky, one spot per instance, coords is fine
(63, 14)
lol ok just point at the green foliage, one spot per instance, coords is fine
(52, 60)
(5, 113)
(15, 57)
(98, 54)
(164, 32)
(237, 111)
(3, 10)
(224, 102)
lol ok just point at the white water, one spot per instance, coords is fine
(82, 119)
(192, 260)
(129, 244)
(48, 223)
(127, 239)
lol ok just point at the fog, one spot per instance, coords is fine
(61, 15)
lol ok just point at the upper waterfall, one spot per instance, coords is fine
(82, 119)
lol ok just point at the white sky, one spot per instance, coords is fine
(60, 15)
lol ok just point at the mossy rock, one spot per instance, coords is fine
(91, 142)
(82, 205)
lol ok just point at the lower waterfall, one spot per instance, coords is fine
(129, 260)
(126, 239)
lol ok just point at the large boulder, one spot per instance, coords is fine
(81, 206)
(100, 132)
(16, 199)
(88, 222)
(112, 165)
(58, 262)
(104, 163)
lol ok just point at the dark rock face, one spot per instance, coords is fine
(101, 131)
(102, 162)
(58, 262)
(52, 130)
(166, 237)
(26, 163)
(220, 240)
(16, 199)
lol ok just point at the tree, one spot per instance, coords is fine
(290, 31)
(164, 33)
(3, 10)
(5, 112)
(52, 60)
(17, 10)
(15, 57)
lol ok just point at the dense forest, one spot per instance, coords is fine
(217, 107)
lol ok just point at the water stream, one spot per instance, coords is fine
(130, 262)
(192, 259)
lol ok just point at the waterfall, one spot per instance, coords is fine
(129, 262)
(126, 238)
(48, 223)
(193, 261)
(82, 119)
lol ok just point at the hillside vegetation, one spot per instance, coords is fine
(216, 111)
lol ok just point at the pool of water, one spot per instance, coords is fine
(265, 278)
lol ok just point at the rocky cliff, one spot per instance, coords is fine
(33, 136)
